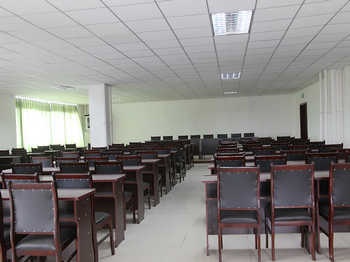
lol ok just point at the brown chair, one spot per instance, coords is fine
(78, 167)
(27, 168)
(238, 202)
(92, 160)
(4, 236)
(102, 219)
(265, 162)
(19, 179)
(34, 216)
(322, 161)
(335, 210)
(46, 161)
(229, 161)
(92, 153)
(59, 160)
(72, 154)
(4, 152)
(292, 203)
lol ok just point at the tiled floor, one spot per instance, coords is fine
(175, 231)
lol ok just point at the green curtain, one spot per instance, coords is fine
(40, 123)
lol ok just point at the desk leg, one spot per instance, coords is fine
(86, 241)
(155, 185)
(140, 198)
(119, 215)
(167, 175)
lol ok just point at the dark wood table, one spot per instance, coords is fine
(151, 168)
(134, 177)
(83, 219)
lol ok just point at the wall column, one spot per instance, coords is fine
(332, 111)
(100, 111)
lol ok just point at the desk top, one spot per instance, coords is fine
(150, 161)
(10, 156)
(108, 178)
(163, 155)
(63, 194)
(133, 168)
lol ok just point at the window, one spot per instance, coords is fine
(44, 123)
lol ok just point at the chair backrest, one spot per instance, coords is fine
(229, 161)
(4, 152)
(292, 186)
(264, 151)
(27, 168)
(57, 147)
(148, 154)
(295, 155)
(208, 136)
(92, 153)
(236, 135)
(339, 180)
(46, 161)
(130, 160)
(195, 136)
(2, 239)
(99, 148)
(43, 148)
(19, 179)
(78, 167)
(92, 160)
(109, 167)
(155, 138)
(264, 162)
(33, 208)
(222, 136)
(238, 188)
(168, 138)
(18, 151)
(73, 180)
(183, 137)
(248, 134)
(322, 161)
(74, 154)
(71, 146)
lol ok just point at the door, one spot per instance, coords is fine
(303, 121)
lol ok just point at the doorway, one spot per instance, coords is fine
(303, 121)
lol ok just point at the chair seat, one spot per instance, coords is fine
(339, 213)
(291, 214)
(101, 216)
(231, 217)
(45, 242)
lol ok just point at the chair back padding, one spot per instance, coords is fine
(27, 168)
(19, 179)
(130, 160)
(46, 161)
(71, 181)
(340, 176)
(265, 162)
(33, 208)
(322, 161)
(238, 187)
(79, 167)
(108, 167)
(229, 161)
(292, 185)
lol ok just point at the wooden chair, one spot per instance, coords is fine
(72, 154)
(4, 152)
(27, 168)
(46, 161)
(292, 202)
(322, 161)
(335, 210)
(238, 202)
(295, 155)
(19, 179)
(229, 161)
(102, 219)
(265, 162)
(78, 167)
(39, 227)
(92, 160)
(5, 243)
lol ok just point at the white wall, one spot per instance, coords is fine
(7, 121)
(311, 96)
(264, 115)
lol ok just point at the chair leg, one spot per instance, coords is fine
(273, 243)
(313, 240)
(207, 247)
(258, 243)
(149, 199)
(219, 244)
(302, 237)
(330, 242)
(111, 239)
(266, 234)
(256, 239)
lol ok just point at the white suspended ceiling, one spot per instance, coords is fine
(165, 49)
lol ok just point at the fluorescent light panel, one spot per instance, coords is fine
(230, 76)
(231, 92)
(232, 23)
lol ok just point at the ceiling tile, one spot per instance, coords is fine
(47, 20)
(68, 5)
(217, 6)
(137, 12)
(183, 7)
(93, 16)
(270, 14)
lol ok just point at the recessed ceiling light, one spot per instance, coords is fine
(232, 23)
(230, 75)
(231, 92)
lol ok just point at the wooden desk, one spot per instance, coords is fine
(134, 177)
(165, 163)
(151, 168)
(7, 161)
(83, 219)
